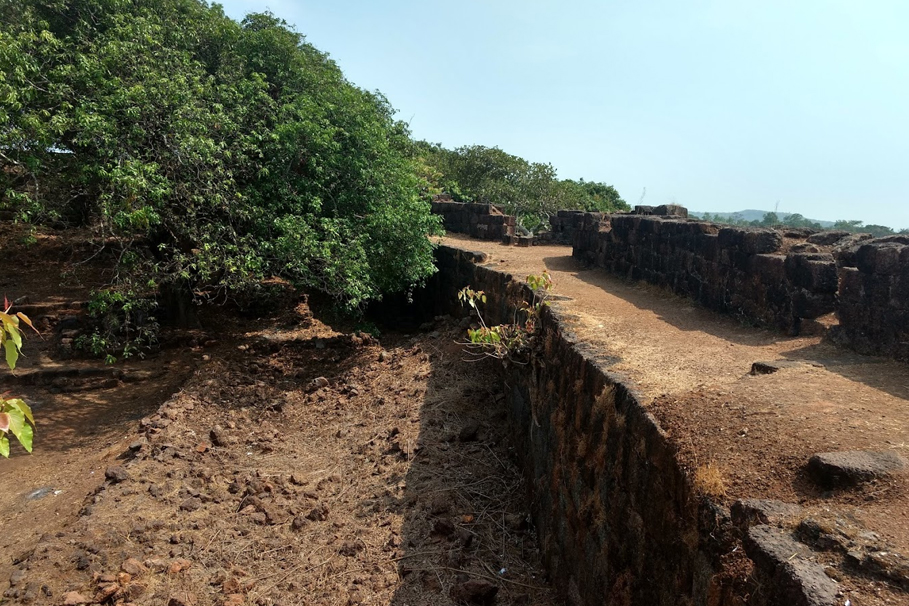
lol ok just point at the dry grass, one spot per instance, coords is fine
(710, 480)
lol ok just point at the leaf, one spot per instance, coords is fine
(16, 422)
(26, 320)
(15, 335)
(25, 408)
(4, 446)
(12, 354)
(26, 437)
(4, 422)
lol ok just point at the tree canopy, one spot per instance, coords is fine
(771, 219)
(214, 153)
(530, 190)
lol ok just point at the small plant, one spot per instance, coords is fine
(124, 325)
(508, 341)
(15, 415)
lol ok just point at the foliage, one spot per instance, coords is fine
(529, 190)
(212, 153)
(11, 335)
(771, 219)
(857, 227)
(508, 341)
(124, 325)
(15, 415)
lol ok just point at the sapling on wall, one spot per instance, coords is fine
(507, 341)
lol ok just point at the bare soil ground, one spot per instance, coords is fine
(757, 431)
(283, 462)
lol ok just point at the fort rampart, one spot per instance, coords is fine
(782, 278)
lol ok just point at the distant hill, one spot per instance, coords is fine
(754, 215)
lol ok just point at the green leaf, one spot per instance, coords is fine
(4, 445)
(21, 405)
(13, 330)
(16, 421)
(12, 354)
(26, 437)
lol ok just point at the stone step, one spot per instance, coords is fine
(75, 378)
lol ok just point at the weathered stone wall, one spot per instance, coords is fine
(562, 227)
(612, 508)
(483, 221)
(745, 272)
(873, 305)
(617, 518)
(773, 277)
(566, 223)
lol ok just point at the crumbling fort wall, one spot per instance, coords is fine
(766, 276)
(773, 277)
(483, 221)
(618, 519)
(783, 278)
(873, 297)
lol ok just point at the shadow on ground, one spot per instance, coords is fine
(684, 314)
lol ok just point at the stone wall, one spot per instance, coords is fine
(873, 305)
(562, 227)
(617, 518)
(782, 278)
(766, 276)
(483, 221)
(566, 223)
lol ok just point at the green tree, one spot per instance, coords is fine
(770, 219)
(530, 190)
(212, 153)
(845, 225)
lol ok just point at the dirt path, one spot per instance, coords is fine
(693, 365)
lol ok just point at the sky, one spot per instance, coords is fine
(717, 105)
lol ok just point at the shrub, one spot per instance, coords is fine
(225, 152)
(123, 325)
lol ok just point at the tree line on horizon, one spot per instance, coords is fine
(529, 190)
(772, 219)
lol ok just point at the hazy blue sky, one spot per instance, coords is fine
(717, 105)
